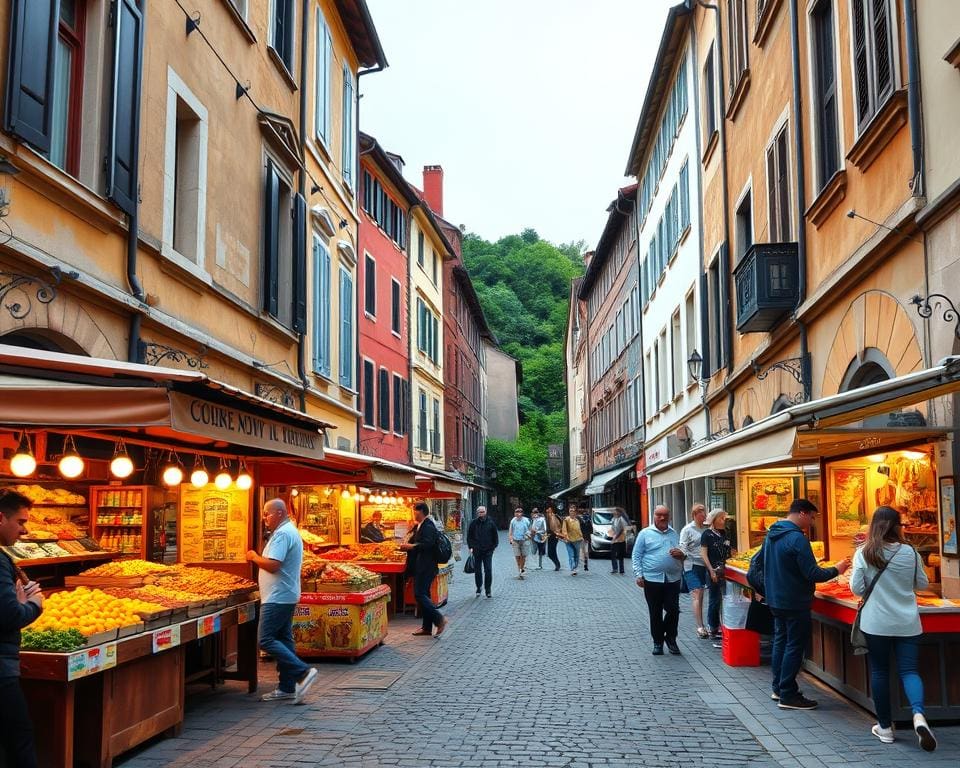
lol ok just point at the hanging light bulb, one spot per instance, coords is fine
(223, 478)
(71, 464)
(345, 494)
(327, 491)
(244, 478)
(122, 465)
(199, 477)
(23, 463)
(173, 472)
(294, 492)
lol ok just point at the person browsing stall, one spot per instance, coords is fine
(422, 565)
(694, 570)
(279, 580)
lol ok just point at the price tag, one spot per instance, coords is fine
(207, 625)
(168, 637)
(91, 661)
(246, 612)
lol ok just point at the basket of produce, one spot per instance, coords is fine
(97, 615)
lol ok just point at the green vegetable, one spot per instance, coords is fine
(54, 640)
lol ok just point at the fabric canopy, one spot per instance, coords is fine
(600, 480)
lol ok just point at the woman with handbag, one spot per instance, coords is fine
(886, 572)
(553, 530)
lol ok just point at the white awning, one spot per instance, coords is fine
(600, 481)
(566, 491)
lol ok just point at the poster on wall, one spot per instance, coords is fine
(948, 514)
(769, 498)
(214, 525)
(848, 498)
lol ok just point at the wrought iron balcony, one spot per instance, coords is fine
(767, 286)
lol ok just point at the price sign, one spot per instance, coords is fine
(91, 661)
(166, 638)
(246, 612)
(207, 625)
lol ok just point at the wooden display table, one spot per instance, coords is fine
(97, 703)
(340, 624)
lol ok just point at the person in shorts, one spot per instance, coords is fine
(519, 533)
(694, 569)
(538, 536)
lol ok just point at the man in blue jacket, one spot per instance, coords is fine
(790, 573)
(21, 603)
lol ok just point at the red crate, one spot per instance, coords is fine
(741, 647)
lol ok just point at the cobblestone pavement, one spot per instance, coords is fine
(554, 670)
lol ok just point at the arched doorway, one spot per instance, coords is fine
(42, 340)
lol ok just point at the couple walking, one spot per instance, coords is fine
(575, 531)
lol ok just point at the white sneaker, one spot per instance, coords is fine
(276, 695)
(928, 741)
(884, 734)
(304, 685)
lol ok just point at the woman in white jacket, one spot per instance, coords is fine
(890, 619)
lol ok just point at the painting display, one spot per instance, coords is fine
(769, 498)
(848, 493)
(948, 512)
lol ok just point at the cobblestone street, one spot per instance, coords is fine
(553, 671)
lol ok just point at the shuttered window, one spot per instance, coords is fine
(709, 97)
(395, 308)
(284, 255)
(299, 264)
(346, 328)
(435, 433)
(399, 405)
(684, 196)
(737, 20)
(383, 401)
(321, 307)
(322, 72)
(370, 285)
(348, 149)
(369, 402)
(282, 31)
(872, 56)
(825, 93)
(422, 437)
(778, 188)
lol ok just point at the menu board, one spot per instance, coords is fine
(214, 525)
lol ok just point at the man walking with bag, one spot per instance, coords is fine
(790, 574)
(482, 539)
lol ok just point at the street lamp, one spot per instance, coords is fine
(695, 366)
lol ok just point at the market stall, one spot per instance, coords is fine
(85, 660)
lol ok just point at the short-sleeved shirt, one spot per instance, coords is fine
(718, 546)
(539, 529)
(519, 526)
(285, 545)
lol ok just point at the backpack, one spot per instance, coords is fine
(755, 572)
(444, 549)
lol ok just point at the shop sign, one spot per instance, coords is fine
(207, 625)
(246, 612)
(656, 453)
(166, 638)
(223, 422)
(91, 661)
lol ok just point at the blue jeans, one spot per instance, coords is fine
(276, 638)
(791, 634)
(421, 593)
(907, 650)
(482, 574)
(573, 554)
(715, 592)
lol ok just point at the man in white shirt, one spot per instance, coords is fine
(519, 532)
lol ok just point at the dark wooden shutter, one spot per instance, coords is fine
(368, 394)
(300, 264)
(883, 51)
(271, 239)
(33, 47)
(861, 66)
(124, 137)
(383, 400)
(772, 210)
(725, 357)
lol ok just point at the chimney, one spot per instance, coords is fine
(433, 187)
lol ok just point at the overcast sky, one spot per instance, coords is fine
(529, 105)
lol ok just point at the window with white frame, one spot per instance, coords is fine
(282, 35)
(778, 187)
(676, 355)
(690, 318)
(648, 384)
(349, 151)
(873, 57)
(657, 381)
(322, 77)
(710, 121)
(428, 331)
(185, 173)
(422, 436)
(662, 370)
(435, 432)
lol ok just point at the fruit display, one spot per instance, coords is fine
(124, 568)
(836, 589)
(346, 573)
(742, 559)
(91, 611)
(52, 640)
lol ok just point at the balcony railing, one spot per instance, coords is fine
(767, 282)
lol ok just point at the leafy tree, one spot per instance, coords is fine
(523, 283)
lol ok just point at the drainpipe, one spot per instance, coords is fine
(304, 31)
(134, 346)
(805, 368)
(918, 183)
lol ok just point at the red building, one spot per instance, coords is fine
(464, 327)
(383, 323)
